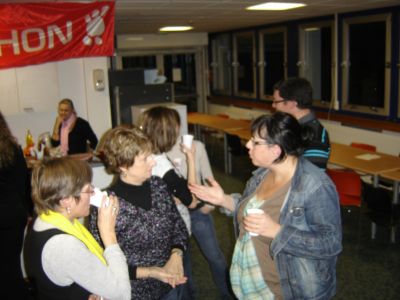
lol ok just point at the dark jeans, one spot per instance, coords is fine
(204, 233)
(172, 295)
(187, 291)
(13, 283)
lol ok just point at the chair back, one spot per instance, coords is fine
(377, 199)
(379, 203)
(235, 146)
(363, 146)
(348, 186)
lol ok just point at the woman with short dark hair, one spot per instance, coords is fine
(289, 248)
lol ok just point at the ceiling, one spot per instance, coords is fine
(147, 16)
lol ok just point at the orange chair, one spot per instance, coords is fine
(367, 147)
(348, 186)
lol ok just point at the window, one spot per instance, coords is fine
(141, 62)
(317, 60)
(366, 64)
(272, 64)
(221, 65)
(181, 70)
(398, 73)
(244, 69)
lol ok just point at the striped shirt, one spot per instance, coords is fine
(318, 150)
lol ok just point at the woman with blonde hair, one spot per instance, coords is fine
(65, 261)
(162, 125)
(71, 133)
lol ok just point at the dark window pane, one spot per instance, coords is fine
(274, 56)
(184, 89)
(326, 63)
(245, 77)
(144, 62)
(220, 71)
(367, 64)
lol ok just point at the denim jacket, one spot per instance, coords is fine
(306, 248)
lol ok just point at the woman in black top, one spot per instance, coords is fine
(149, 228)
(13, 209)
(70, 132)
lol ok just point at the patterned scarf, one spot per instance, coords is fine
(65, 129)
(75, 229)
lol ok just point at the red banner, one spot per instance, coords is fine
(34, 33)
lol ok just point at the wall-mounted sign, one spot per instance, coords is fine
(33, 33)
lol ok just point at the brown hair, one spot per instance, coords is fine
(56, 179)
(120, 147)
(161, 124)
(8, 144)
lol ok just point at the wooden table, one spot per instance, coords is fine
(242, 133)
(217, 123)
(379, 165)
(351, 157)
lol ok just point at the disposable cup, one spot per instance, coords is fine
(251, 211)
(187, 140)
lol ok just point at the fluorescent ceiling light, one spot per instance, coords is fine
(312, 29)
(176, 28)
(135, 38)
(275, 6)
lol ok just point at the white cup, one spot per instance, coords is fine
(251, 211)
(187, 140)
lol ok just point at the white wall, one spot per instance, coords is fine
(386, 141)
(75, 81)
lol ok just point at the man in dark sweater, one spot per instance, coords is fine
(294, 96)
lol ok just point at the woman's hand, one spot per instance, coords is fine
(261, 224)
(174, 266)
(56, 128)
(155, 273)
(107, 215)
(190, 152)
(212, 193)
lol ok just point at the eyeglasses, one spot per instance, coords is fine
(278, 101)
(257, 143)
(91, 191)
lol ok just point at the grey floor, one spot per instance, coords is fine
(366, 269)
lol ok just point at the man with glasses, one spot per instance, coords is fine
(294, 96)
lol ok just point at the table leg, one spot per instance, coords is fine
(396, 192)
(395, 201)
(226, 158)
(375, 180)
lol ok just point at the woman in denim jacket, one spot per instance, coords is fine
(289, 247)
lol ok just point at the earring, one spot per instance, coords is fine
(124, 174)
(68, 210)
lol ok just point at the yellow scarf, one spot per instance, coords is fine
(76, 229)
